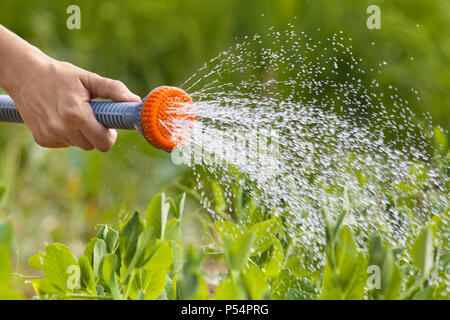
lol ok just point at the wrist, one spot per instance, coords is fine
(20, 62)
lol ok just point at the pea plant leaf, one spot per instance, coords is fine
(255, 283)
(228, 229)
(129, 236)
(145, 247)
(87, 276)
(238, 251)
(110, 235)
(422, 251)
(36, 261)
(344, 276)
(99, 254)
(219, 197)
(109, 276)
(89, 250)
(161, 259)
(178, 258)
(5, 292)
(151, 278)
(156, 270)
(153, 283)
(58, 262)
(273, 267)
(191, 285)
(265, 233)
(178, 205)
(173, 230)
(228, 290)
(156, 214)
(386, 279)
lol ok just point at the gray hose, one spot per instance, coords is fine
(115, 115)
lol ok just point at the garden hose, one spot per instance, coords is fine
(153, 117)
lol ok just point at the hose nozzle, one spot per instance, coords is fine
(165, 117)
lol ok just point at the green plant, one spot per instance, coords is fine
(6, 234)
(143, 258)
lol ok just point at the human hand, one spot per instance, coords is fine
(53, 99)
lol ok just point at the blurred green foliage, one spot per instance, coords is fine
(149, 43)
(58, 195)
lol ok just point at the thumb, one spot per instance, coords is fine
(100, 87)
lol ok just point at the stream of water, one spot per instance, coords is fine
(303, 125)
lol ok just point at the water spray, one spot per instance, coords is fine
(154, 117)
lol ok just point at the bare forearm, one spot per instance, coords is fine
(53, 96)
(16, 56)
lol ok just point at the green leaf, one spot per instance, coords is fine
(99, 254)
(6, 234)
(57, 266)
(444, 259)
(228, 229)
(111, 240)
(181, 202)
(422, 251)
(89, 250)
(178, 258)
(305, 290)
(178, 205)
(109, 276)
(425, 294)
(41, 287)
(191, 285)
(162, 258)
(202, 290)
(173, 230)
(169, 289)
(255, 282)
(237, 252)
(227, 290)
(153, 274)
(129, 238)
(265, 233)
(292, 287)
(36, 261)
(385, 273)
(275, 263)
(153, 283)
(156, 214)
(219, 197)
(87, 275)
(146, 245)
(344, 276)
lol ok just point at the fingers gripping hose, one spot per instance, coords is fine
(153, 117)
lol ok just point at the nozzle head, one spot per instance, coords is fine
(165, 118)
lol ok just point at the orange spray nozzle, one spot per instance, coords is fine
(166, 120)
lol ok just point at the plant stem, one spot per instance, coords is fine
(129, 283)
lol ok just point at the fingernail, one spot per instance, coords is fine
(113, 132)
(132, 96)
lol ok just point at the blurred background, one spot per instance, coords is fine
(60, 195)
